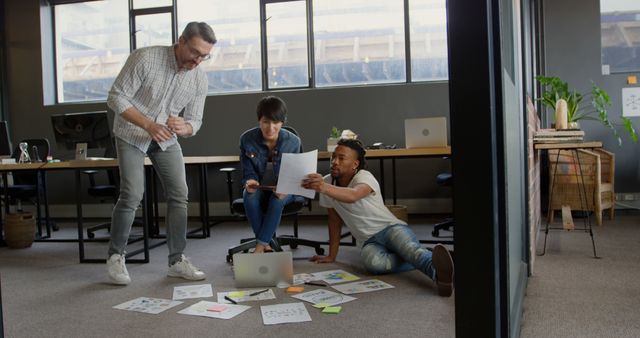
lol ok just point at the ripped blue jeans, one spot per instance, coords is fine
(396, 249)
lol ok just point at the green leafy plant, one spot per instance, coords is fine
(554, 89)
(335, 133)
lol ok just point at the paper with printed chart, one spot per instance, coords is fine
(245, 296)
(322, 296)
(284, 313)
(192, 291)
(214, 310)
(335, 276)
(293, 169)
(362, 286)
(148, 305)
(302, 278)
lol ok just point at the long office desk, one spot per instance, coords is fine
(150, 201)
(393, 154)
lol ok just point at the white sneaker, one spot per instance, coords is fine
(117, 270)
(184, 269)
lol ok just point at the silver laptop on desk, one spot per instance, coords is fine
(427, 132)
(266, 269)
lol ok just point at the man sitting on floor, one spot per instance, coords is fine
(352, 195)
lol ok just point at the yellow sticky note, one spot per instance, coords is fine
(320, 305)
(332, 309)
(295, 289)
(236, 294)
(350, 277)
(632, 79)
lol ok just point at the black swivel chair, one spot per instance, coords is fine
(30, 185)
(108, 192)
(292, 209)
(444, 179)
(104, 192)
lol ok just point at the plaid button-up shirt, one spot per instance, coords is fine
(151, 82)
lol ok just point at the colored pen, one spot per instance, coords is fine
(314, 283)
(231, 300)
(258, 292)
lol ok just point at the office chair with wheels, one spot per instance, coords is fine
(30, 185)
(443, 179)
(105, 192)
(108, 192)
(292, 209)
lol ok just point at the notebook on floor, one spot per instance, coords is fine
(265, 269)
(427, 132)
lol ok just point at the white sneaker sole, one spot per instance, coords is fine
(119, 282)
(177, 275)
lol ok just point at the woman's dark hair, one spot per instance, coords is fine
(358, 147)
(273, 108)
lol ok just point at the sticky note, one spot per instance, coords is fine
(295, 289)
(332, 309)
(320, 305)
(350, 278)
(217, 308)
(632, 79)
(236, 294)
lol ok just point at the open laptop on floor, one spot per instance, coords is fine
(427, 132)
(266, 269)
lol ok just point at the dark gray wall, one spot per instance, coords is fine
(572, 45)
(376, 113)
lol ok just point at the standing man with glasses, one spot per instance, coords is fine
(158, 96)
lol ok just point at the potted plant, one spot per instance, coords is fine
(554, 89)
(332, 141)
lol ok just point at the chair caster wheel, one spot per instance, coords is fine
(55, 227)
(320, 251)
(91, 234)
(229, 259)
(293, 246)
(435, 233)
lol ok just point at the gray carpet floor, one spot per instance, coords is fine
(571, 294)
(47, 293)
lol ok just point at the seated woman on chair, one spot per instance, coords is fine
(261, 150)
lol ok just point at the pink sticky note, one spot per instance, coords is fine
(217, 308)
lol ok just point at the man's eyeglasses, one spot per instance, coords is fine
(196, 55)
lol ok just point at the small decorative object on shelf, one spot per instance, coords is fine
(332, 141)
(555, 91)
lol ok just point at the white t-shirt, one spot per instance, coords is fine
(365, 217)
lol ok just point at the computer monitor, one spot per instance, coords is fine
(5, 141)
(91, 128)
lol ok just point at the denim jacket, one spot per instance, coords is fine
(254, 153)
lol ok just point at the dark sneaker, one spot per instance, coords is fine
(443, 264)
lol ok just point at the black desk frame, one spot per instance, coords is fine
(582, 191)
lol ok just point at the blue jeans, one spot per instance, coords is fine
(169, 165)
(265, 223)
(396, 249)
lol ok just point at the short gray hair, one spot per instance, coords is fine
(200, 29)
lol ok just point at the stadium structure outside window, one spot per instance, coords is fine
(359, 42)
(287, 44)
(153, 30)
(235, 64)
(620, 36)
(92, 44)
(428, 35)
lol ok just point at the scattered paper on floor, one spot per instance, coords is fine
(147, 305)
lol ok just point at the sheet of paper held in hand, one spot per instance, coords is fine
(293, 169)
